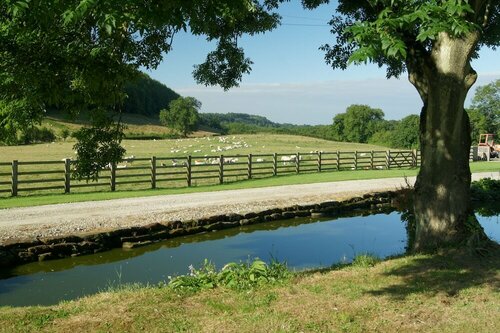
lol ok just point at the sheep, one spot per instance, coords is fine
(260, 160)
(229, 160)
(129, 158)
(178, 163)
(288, 159)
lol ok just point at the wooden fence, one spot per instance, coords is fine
(168, 172)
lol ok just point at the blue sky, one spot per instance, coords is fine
(290, 81)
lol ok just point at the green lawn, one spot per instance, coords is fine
(451, 292)
(270, 181)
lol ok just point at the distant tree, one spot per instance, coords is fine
(181, 115)
(211, 120)
(478, 124)
(406, 133)
(358, 123)
(65, 133)
(382, 138)
(338, 127)
(484, 112)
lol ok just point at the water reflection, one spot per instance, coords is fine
(302, 243)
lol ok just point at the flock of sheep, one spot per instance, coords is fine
(219, 144)
(209, 145)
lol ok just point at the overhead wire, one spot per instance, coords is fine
(305, 24)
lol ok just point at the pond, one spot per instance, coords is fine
(303, 243)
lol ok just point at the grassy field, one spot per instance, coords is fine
(452, 292)
(213, 146)
(241, 144)
(174, 173)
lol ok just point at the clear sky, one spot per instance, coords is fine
(290, 81)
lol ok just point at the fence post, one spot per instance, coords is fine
(249, 166)
(188, 170)
(275, 164)
(355, 160)
(371, 160)
(414, 158)
(297, 163)
(112, 176)
(319, 161)
(388, 159)
(14, 177)
(153, 172)
(67, 175)
(221, 169)
(337, 162)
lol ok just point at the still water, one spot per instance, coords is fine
(302, 243)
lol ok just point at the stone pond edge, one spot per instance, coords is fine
(71, 246)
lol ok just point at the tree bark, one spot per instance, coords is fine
(442, 205)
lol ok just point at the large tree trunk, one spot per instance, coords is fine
(442, 204)
(442, 190)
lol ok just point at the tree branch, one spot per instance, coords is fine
(486, 14)
(481, 11)
(418, 65)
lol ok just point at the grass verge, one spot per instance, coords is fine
(38, 200)
(448, 292)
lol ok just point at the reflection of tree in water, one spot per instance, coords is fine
(119, 254)
(408, 218)
(487, 209)
(484, 209)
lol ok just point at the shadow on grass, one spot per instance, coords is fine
(446, 273)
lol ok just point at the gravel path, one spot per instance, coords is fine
(25, 223)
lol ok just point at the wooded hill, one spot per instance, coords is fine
(147, 96)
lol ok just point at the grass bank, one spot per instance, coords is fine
(38, 200)
(450, 292)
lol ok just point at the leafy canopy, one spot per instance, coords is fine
(393, 33)
(78, 54)
(181, 115)
(358, 123)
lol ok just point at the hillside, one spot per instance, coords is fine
(218, 120)
(137, 126)
(147, 96)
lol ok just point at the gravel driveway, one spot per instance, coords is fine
(91, 217)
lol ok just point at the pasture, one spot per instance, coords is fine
(134, 177)
(240, 144)
(223, 159)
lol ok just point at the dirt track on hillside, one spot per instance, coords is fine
(27, 223)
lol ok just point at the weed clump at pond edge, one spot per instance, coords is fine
(236, 276)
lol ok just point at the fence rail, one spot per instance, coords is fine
(167, 172)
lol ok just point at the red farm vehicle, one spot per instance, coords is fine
(487, 148)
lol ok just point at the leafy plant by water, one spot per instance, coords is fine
(485, 189)
(237, 276)
(365, 260)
